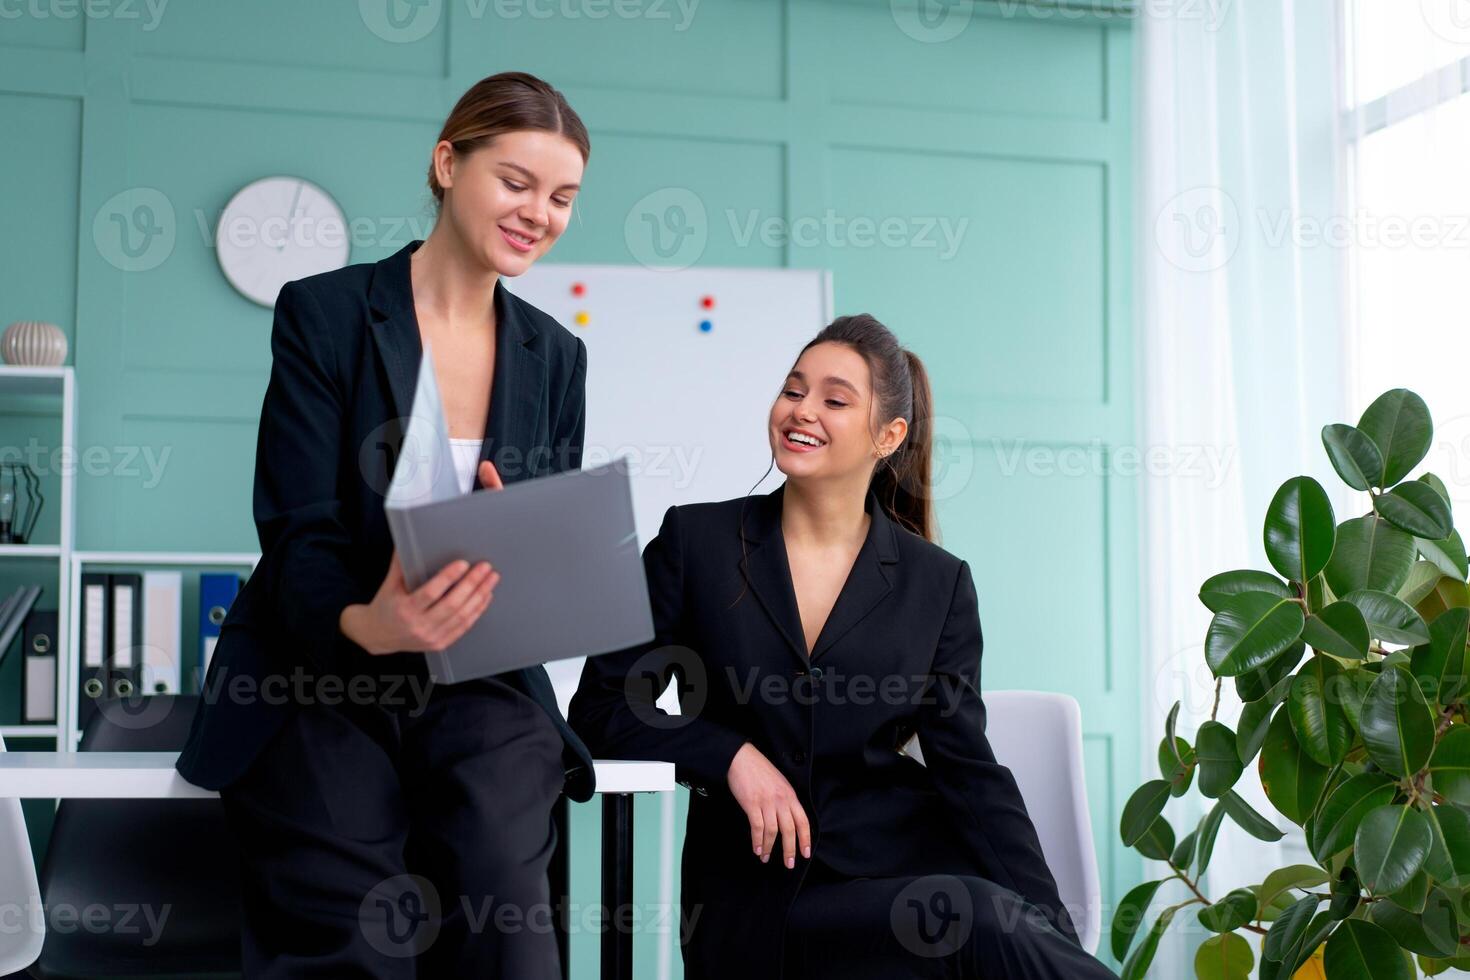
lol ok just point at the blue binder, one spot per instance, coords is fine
(216, 591)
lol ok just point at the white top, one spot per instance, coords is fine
(466, 460)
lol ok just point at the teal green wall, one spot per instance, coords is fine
(1016, 130)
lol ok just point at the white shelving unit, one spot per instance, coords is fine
(60, 382)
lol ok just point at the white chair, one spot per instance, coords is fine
(1038, 735)
(24, 930)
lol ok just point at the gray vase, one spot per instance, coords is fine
(33, 343)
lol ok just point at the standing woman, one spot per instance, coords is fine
(814, 630)
(388, 826)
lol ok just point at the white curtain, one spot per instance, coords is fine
(1242, 317)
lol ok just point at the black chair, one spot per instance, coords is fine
(120, 858)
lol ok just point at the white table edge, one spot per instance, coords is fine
(151, 775)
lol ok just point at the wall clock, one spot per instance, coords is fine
(277, 229)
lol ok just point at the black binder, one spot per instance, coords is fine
(96, 630)
(125, 628)
(38, 676)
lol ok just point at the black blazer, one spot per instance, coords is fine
(899, 654)
(345, 356)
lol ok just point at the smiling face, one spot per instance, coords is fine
(510, 200)
(822, 423)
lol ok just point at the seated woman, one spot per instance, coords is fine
(813, 631)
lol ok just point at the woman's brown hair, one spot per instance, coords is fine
(505, 103)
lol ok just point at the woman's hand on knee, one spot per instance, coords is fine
(429, 618)
(770, 804)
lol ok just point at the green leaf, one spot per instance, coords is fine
(1282, 880)
(1433, 932)
(1396, 724)
(1449, 767)
(1219, 765)
(1448, 555)
(1300, 529)
(1249, 630)
(1370, 554)
(1137, 966)
(1285, 937)
(1291, 778)
(1411, 897)
(1317, 716)
(1360, 950)
(1177, 766)
(1347, 893)
(1219, 587)
(1183, 854)
(1398, 423)
(1416, 507)
(1157, 841)
(1170, 738)
(1448, 593)
(1142, 808)
(1230, 912)
(1255, 720)
(1209, 826)
(1340, 630)
(1389, 617)
(1248, 819)
(1354, 456)
(1421, 581)
(1357, 683)
(1129, 916)
(1261, 682)
(1440, 664)
(1390, 847)
(1437, 484)
(1337, 821)
(1224, 957)
(1449, 846)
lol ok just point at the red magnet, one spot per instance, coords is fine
(708, 302)
(578, 289)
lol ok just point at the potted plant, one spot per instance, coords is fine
(1350, 660)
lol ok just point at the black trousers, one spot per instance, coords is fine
(403, 841)
(959, 927)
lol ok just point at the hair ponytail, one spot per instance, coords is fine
(901, 481)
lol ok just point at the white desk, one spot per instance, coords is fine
(151, 775)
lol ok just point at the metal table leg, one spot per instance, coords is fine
(617, 886)
(560, 875)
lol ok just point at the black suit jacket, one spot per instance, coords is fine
(899, 654)
(345, 357)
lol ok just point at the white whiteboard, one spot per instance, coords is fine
(686, 407)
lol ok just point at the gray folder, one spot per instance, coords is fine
(566, 547)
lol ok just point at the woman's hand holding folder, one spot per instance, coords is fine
(431, 617)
